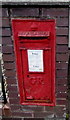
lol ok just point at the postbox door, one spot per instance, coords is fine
(36, 64)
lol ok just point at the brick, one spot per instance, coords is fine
(7, 49)
(61, 88)
(60, 108)
(62, 22)
(61, 102)
(12, 88)
(15, 107)
(14, 101)
(62, 40)
(22, 114)
(49, 108)
(43, 114)
(11, 80)
(25, 12)
(9, 66)
(13, 94)
(62, 57)
(5, 22)
(62, 48)
(7, 41)
(55, 12)
(33, 108)
(10, 73)
(61, 81)
(8, 57)
(6, 32)
(62, 31)
(61, 95)
(54, 109)
(61, 65)
(61, 73)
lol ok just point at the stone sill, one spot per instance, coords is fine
(32, 2)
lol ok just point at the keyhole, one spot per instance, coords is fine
(27, 75)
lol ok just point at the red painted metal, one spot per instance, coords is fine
(35, 39)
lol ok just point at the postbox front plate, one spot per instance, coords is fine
(34, 45)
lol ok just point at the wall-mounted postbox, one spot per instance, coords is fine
(34, 43)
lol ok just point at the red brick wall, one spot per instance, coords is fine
(61, 16)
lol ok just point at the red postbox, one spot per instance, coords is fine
(34, 45)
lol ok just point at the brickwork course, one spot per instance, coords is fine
(22, 11)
